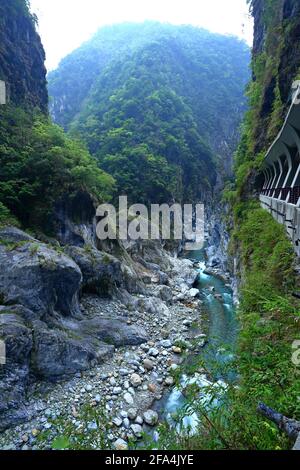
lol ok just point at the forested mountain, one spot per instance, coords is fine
(159, 106)
(31, 184)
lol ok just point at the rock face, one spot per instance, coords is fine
(74, 219)
(283, 24)
(113, 331)
(58, 354)
(40, 279)
(101, 272)
(46, 334)
(15, 373)
(22, 56)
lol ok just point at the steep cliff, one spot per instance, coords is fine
(263, 255)
(22, 56)
(275, 65)
(39, 164)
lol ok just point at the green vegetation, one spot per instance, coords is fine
(38, 165)
(275, 65)
(269, 317)
(90, 434)
(269, 314)
(155, 107)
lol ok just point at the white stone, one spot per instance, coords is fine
(194, 292)
(169, 381)
(120, 444)
(135, 380)
(128, 398)
(151, 417)
(117, 422)
(153, 352)
(97, 398)
(137, 430)
(132, 413)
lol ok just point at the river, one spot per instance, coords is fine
(217, 355)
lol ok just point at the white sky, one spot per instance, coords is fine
(65, 24)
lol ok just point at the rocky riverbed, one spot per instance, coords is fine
(131, 378)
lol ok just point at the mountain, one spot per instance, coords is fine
(158, 105)
(31, 185)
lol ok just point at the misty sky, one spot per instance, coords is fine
(65, 24)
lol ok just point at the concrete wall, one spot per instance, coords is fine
(2, 92)
(286, 214)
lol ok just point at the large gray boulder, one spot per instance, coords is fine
(114, 331)
(46, 335)
(58, 353)
(39, 278)
(101, 272)
(12, 235)
(14, 374)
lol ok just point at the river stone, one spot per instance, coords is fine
(148, 364)
(117, 422)
(169, 381)
(165, 293)
(194, 292)
(128, 398)
(139, 420)
(132, 413)
(135, 380)
(120, 444)
(137, 430)
(151, 417)
(126, 423)
(153, 352)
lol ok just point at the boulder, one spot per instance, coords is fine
(137, 430)
(14, 374)
(153, 305)
(165, 293)
(120, 444)
(148, 364)
(101, 271)
(135, 380)
(40, 279)
(194, 293)
(13, 235)
(151, 417)
(59, 353)
(113, 331)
